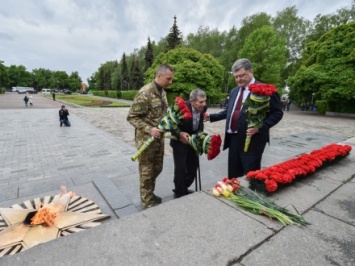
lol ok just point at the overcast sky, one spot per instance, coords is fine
(80, 35)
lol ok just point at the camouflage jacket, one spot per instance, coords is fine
(148, 108)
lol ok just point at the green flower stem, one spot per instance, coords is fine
(256, 203)
(143, 148)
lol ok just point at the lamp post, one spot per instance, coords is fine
(312, 104)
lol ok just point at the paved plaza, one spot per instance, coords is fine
(92, 158)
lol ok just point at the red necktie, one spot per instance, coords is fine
(236, 112)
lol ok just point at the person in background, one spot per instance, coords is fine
(26, 99)
(288, 105)
(236, 129)
(186, 160)
(148, 108)
(53, 95)
(63, 117)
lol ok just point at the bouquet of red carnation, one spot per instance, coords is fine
(272, 177)
(258, 103)
(175, 116)
(254, 202)
(205, 143)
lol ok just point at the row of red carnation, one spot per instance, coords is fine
(286, 172)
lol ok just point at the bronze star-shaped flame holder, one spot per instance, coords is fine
(73, 214)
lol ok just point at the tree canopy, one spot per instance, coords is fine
(192, 70)
(328, 68)
(267, 52)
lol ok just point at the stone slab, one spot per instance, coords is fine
(327, 241)
(41, 186)
(125, 211)
(341, 204)
(114, 197)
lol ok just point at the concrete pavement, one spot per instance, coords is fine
(92, 158)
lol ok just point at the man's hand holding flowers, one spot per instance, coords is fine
(258, 102)
(176, 115)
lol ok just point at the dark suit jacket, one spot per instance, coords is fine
(258, 140)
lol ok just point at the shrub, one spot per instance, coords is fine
(128, 95)
(322, 106)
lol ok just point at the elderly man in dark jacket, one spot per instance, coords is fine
(185, 158)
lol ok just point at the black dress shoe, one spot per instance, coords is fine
(157, 199)
(178, 195)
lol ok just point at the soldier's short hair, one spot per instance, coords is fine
(194, 94)
(242, 63)
(163, 68)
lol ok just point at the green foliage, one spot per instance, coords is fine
(322, 106)
(329, 68)
(293, 29)
(99, 93)
(128, 95)
(174, 38)
(19, 76)
(207, 41)
(136, 79)
(112, 94)
(249, 25)
(124, 72)
(4, 77)
(192, 70)
(342, 106)
(267, 52)
(148, 56)
(170, 95)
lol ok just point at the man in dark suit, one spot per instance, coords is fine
(240, 162)
(185, 158)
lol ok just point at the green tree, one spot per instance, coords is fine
(4, 77)
(92, 80)
(267, 52)
(41, 78)
(74, 81)
(323, 23)
(19, 76)
(149, 57)
(207, 41)
(192, 70)
(174, 38)
(124, 72)
(328, 70)
(135, 75)
(294, 30)
(249, 25)
(228, 56)
(59, 80)
(116, 78)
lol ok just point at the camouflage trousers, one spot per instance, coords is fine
(150, 166)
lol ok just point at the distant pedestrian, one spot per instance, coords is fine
(63, 117)
(288, 105)
(26, 100)
(53, 95)
(31, 100)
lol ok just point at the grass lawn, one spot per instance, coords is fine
(89, 101)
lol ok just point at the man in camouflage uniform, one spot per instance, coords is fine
(148, 108)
